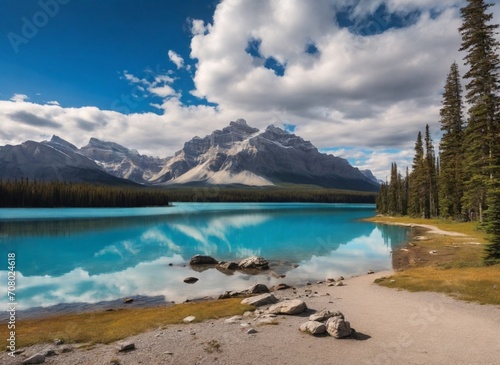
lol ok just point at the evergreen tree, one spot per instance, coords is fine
(493, 215)
(417, 180)
(451, 146)
(430, 178)
(382, 198)
(482, 141)
(406, 190)
(393, 191)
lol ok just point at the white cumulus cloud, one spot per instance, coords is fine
(176, 59)
(253, 60)
(19, 98)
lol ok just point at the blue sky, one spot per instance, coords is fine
(358, 78)
(78, 57)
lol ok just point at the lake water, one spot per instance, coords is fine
(70, 257)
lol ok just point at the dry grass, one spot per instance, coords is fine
(480, 284)
(456, 269)
(107, 327)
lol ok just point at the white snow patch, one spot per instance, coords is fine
(243, 178)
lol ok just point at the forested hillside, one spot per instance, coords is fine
(33, 194)
(463, 182)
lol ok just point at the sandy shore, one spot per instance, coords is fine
(393, 327)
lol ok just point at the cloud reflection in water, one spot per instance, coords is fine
(121, 260)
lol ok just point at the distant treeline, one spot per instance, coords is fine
(33, 194)
(304, 195)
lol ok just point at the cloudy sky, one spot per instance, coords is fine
(358, 78)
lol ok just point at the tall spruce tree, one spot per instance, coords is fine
(492, 256)
(393, 191)
(451, 146)
(417, 180)
(482, 141)
(430, 177)
(406, 191)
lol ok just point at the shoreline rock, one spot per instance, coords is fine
(291, 307)
(260, 300)
(202, 260)
(313, 327)
(254, 262)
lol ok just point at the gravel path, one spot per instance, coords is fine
(392, 327)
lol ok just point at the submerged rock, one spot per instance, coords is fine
(254, 262)
(190, 280)
(202, 260)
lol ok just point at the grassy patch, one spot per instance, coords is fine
(481, 284)
(455, 266)
(107, 327)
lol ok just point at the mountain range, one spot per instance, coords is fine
(236, 155)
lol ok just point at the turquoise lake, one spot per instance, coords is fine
(72, 257)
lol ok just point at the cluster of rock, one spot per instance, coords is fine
(253, 264)
(325, 321)
(249, 263)
(329, 322)
(275, 307)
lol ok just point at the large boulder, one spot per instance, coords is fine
(294, 306)
(338, 327)
(324, 315)
(254, 262)
(257, 289)
(260, 300)
(313, 327)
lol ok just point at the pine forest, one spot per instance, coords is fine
(462, 182)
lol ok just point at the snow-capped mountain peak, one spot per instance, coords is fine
(240, 154)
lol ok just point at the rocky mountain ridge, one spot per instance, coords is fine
(236, 155)
(240, 154)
